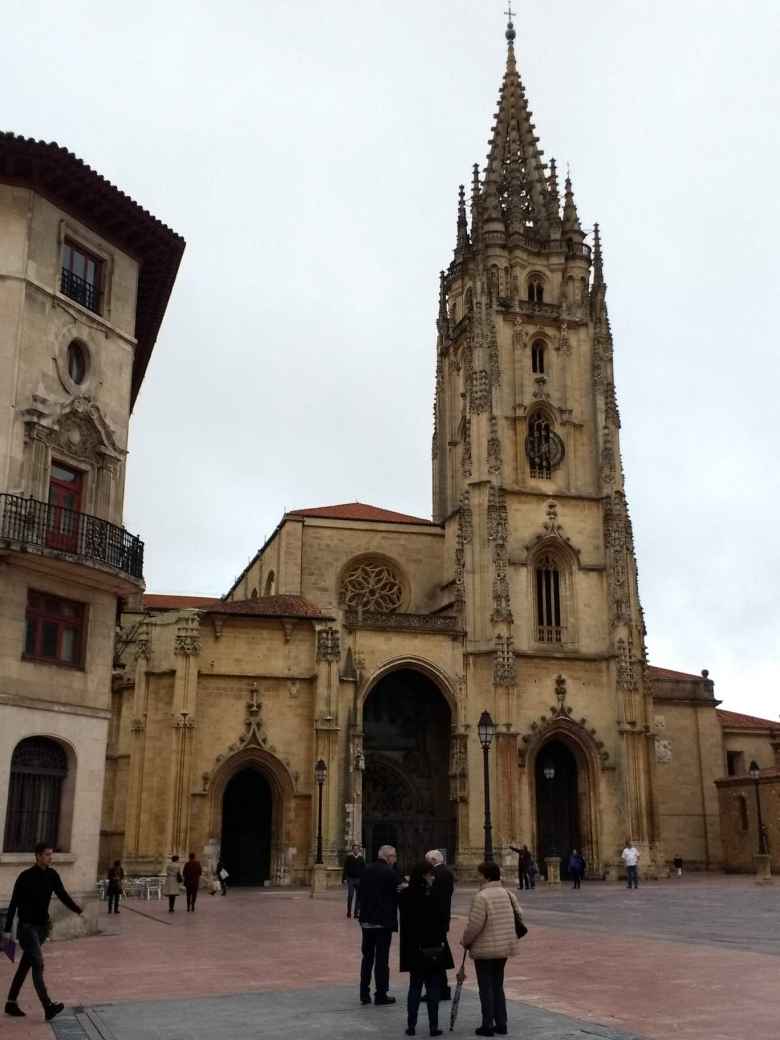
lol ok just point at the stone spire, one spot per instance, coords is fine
(515, 192)
(571, 220)
(462, 242)
(552, 181)
(598, 260)
(598, 290)
(442, 321)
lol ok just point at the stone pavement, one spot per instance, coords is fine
(696, 958)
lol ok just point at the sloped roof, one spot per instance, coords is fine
(153, 601)
(668, 673)
(359, 511)
(268, 606)
(736, 720)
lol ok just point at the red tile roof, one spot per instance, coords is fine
(667, 673)
(359, 511)
(159, 602)
(268, 606)
(736, 720)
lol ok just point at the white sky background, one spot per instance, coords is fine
(310, 154)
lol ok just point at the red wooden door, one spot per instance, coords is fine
(65, 488)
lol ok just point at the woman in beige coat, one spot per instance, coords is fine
(490, 938)
(172, 883)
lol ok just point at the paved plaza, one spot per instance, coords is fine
(693, 959)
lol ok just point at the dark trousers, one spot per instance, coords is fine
(632, 877)
(113, 902)
(353, 890)
(192, 895)
(431, 979)
(171, 903)
(490, 979)
(577, 879)
(31, 938)
(523, 879)
(376, 959)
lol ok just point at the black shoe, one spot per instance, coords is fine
(436, 1032)
(410, 1031)
(365, 998)
(53, 1010)
(483, 1031)
(381, 1001)
(501, 1032)
(13, 1009)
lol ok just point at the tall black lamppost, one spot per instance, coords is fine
(320, 772)
(755, 776)
(487, 730)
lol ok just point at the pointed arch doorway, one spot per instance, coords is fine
(557, 784)
(406, 789)
(247, 817)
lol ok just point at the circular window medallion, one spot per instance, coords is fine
(372, 585)
(77, 362)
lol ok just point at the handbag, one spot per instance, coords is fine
(432, 953)
(520, 928)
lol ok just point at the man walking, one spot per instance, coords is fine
(30, 900)
(630, 857)
(191, 874)
(378, 921)
(442, 891)
(354, 865)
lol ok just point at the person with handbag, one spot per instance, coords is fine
(495, 924)
(173, 882)
(424, 951)
(443, 891)
(114, 888)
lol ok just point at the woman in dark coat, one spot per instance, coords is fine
(424, 951)
(115, 878)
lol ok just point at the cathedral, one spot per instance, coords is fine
(370, 676)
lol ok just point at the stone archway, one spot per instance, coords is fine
(407, 722)
(247, 827)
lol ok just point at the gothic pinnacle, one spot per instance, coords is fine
(571, 220)
(462, 242)
(598, 260)
(552, 180)
(442, 322)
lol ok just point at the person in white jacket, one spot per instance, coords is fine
(630, 857)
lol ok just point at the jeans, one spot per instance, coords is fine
(376, 958)
(524, 880)
(490, 979)
(577, 879)
(632, 877)
(192, 895)
(113, 902)
(353, 890)
(31, 938)
(431, 979)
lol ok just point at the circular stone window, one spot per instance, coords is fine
(372, 585)
(78, 362)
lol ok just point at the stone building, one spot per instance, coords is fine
(375, 641)
(85, 276)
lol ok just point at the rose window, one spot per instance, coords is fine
(372, 586)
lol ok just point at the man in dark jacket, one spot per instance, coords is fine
(524, 860)
(30, 900)
(354, 865)
(442, 892)
(378, 920)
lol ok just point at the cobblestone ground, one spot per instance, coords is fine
(695, 958)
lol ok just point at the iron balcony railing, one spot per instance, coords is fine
(28, 522)
(79, 289)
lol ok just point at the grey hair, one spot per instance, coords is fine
(434, 857)
(384, 851)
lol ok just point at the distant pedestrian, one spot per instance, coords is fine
(352, 872)
(630, 857)
(378, 920)
(114, 889)
(443, 891)
(533, 871)
(678, 865)
(191, 874)
(173, 881)
(576, 868)
(490, 938)
(424, 951)
(524, 860)
(30, 901)
(222, 876)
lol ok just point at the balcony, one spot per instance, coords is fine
(28, 524)
(79, 289)
(550, 634)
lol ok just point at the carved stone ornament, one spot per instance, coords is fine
(552, 532)
(460, 570)
(560, 718)
(458, 771)
(187, 639)
(328, 644)
(505, 666)
(78, 428)
(372, 585)
(497, 518)
(466, 517)
(494, 447)
(663, 750)
(480, 391)
(493, 359)
(544, 449)
(519, 334)
(467, 460)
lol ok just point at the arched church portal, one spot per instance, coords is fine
(247, 817)
(406, 796)
(558, 825)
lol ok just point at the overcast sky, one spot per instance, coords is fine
(310, 154)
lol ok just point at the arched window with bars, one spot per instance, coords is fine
(537, 357)
(39, 767)
(535, 289)
(550, 624)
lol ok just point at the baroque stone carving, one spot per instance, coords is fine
(466, 517)
(505, 666)
(663, 750)
(328, 644)
(494, 447)
(366, 619)
(519, 334)
(480, 391)
(466, 460)
(187, 639)
(372, 585)
(497, 518)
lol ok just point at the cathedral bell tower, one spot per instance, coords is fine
(528, 482)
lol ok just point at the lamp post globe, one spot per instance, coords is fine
(486, 730)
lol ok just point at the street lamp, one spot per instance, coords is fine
(486, 729)
(755, 776)
(320, 772)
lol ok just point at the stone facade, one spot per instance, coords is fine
(72, 353)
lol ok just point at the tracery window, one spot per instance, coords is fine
(549, 612)
(537, 357)
(535, 289)
(38, 770)
(543, 446)
(372, 585)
